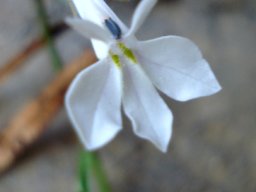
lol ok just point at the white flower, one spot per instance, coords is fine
(127, 73)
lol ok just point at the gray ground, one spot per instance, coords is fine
(213, 146)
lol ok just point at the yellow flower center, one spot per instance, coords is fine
(127, 53)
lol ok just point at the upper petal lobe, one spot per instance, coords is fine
(89, 29)
(140, 14)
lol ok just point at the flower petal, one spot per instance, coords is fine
(177, 68)
(100, 48)
(89, 29)
(151, 119)
(140, 14)
(93, 103)
(97, 11)
(89, 10)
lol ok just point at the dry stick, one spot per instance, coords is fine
(19, 59)
(29, 124)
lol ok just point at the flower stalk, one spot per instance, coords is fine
(90, 163)
(43, 20)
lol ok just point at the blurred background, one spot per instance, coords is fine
(213, 148)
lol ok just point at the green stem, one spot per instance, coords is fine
(84, 172)
(100, 173)
(43, 19)
(91, 163)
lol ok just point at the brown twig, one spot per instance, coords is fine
(16, 62)
(28, 125)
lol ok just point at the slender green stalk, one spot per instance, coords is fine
(99, 173)
(43, 19)
(84, 172)
(91, 163)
